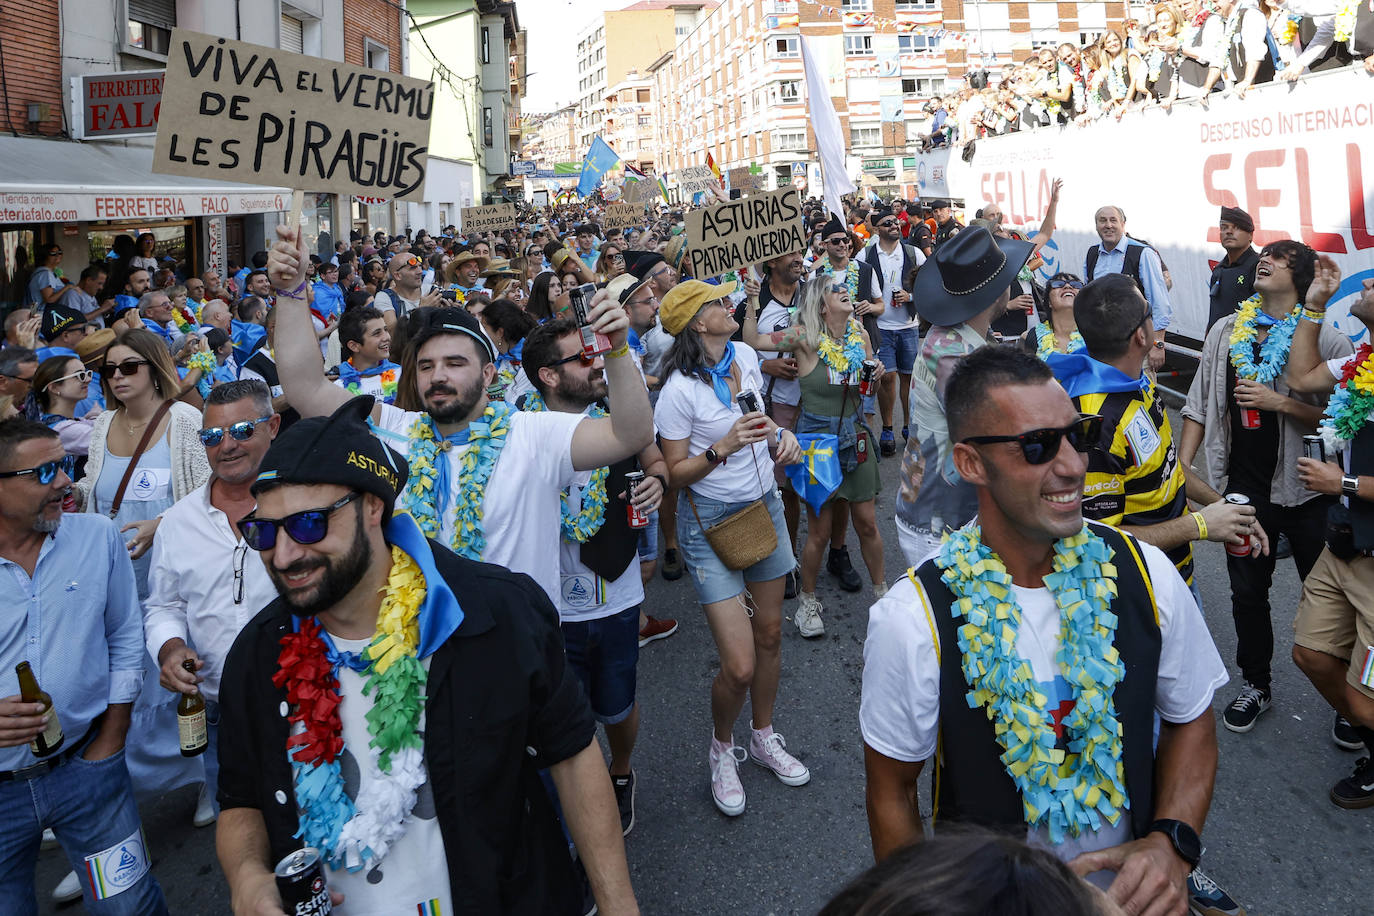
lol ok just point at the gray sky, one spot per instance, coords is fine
(552, 27)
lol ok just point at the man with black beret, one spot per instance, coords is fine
(1233, 279)
(371, 713)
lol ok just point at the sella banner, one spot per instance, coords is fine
(1295, 156)
(235, 111)
(739, 233)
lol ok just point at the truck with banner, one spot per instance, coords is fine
(1296, 156)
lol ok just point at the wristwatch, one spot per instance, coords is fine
(1159, 345)
(1186, 842)
(712, 456)
(1350, 486)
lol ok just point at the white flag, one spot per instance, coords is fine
(829, 137)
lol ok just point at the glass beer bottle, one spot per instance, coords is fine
(191, 727)
(51, 739)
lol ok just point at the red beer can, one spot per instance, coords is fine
(633, 516)
(1249, 418)
(867, 373)
(1240, 499)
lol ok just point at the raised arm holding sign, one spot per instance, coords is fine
(739, 233)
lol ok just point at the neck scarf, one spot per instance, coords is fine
(720, 374)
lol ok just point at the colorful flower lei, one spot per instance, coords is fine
(1064, 790)
(184, 321)
(1046, 343)
(1345, 20)
(583, 526)
(844, 359)
(420, 498)
(389, 377)
(1273, 353)
(1288, 29)
(356, 832)
(1352, 402)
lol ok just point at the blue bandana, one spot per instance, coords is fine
(720, 374)
(1081, 374)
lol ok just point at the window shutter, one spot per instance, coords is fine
(161, 13)
(292, 35)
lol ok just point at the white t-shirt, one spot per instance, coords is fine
(414, 871)
(689, 409)
(777, 317)
(583, 595)
(520, 509)
(900, 704)
(386, 299)
(893, 318)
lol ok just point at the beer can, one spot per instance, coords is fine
(867, 372)
(301, 883)
(1314, 447)
(635, 518)
(580, 298)
(749, 401)
(1238, 550)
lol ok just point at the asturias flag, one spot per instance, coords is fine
(818, 474)
(600, 159)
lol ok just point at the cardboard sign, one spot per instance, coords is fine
(235, 111)
(742, 232)
(640, 193)
(745, 181)
(696, 178)
(492, 218)
(622, 216)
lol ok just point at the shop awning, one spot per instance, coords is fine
(63, 181)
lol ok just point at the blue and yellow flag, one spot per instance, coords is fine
(600, 159)
(818, 475)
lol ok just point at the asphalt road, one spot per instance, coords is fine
(1273, 839)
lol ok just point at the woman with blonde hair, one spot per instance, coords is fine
(611, 264)
(830, 347)
(1125, 72)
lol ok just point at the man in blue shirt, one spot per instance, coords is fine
(74, 617)
(1120, 254)
(329, 296)
(135, 285)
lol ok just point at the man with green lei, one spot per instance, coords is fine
(1008, 650)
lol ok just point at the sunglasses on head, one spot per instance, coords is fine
(127, 368)
(1041, 445)
(45, 472)
(411, 261)
(242, 431)
(305, 528)
(1061, 283)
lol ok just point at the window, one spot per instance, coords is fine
(680, 30)
(779, 7)
(486, 45)
(787, 47)
(292, 35)
(150, 25)
(858, 45)
(376, 56)
(645, 120)
(642, 95)
(789, 139)
(866, 136)
(917, 44)
(913, 6)
(488, 127)
(789, 91)
(855, 6)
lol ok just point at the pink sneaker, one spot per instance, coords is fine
(769, 750)
(726, 789)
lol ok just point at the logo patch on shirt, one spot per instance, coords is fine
(1143, 437)
(118, 868)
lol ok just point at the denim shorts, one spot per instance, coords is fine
(713, 580)
(648, 540)
(604, 653)
(899, 348)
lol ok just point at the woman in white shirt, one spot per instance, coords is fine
(722, 462)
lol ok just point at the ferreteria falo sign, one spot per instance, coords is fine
(242, 112)
(738, 233)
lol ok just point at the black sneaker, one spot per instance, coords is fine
(1207, 899)
(1240, 716)
(672, 564)
(1283, 549)
(1344, 735)
(625, 800)
(789, 585)
(838, 565)
(1357, 789)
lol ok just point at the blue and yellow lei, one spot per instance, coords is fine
(1066, 791)
(1274, 351)
(583, 526)
(1046, 343)
(846, 359)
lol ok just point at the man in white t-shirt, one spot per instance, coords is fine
(895, 264)
(600, 586)
(502, 507)
(406, 272)
(1134, 826)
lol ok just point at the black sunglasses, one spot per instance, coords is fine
(307, 527)
(1041, 445)
(837, 241)
(127, 368)
(45, 472)
(1061, 283)
(581, 357)
(241, 431)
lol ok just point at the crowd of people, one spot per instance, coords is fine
(391, 510)
(1188, 50)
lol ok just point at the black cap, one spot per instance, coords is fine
(58, 318)
(452, 321)
(939, 203)
(832, 226)
(338, 449)
(640, 263)
(1238, 218)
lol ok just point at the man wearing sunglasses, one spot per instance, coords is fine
(204, 583)
(894, 263)
(17, 366)
(1022, 445)
(499, 703)
(536, 457)
(407, 274)
(70, 593)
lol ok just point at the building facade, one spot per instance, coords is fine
(735, 86)
(629, 121)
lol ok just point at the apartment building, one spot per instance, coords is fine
(629, 121)
(551, 138)
(735, 87)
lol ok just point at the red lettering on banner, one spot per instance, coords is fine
(1359, 222)
(1257, 198)
(1320, 241)
(1218, 197)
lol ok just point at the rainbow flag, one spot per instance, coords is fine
(429, 908)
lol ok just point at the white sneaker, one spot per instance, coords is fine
(205, 808)
(726, 789)
(808, 616)
(879, 590)
(769, 750)
(49, 839)
(68, 890)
